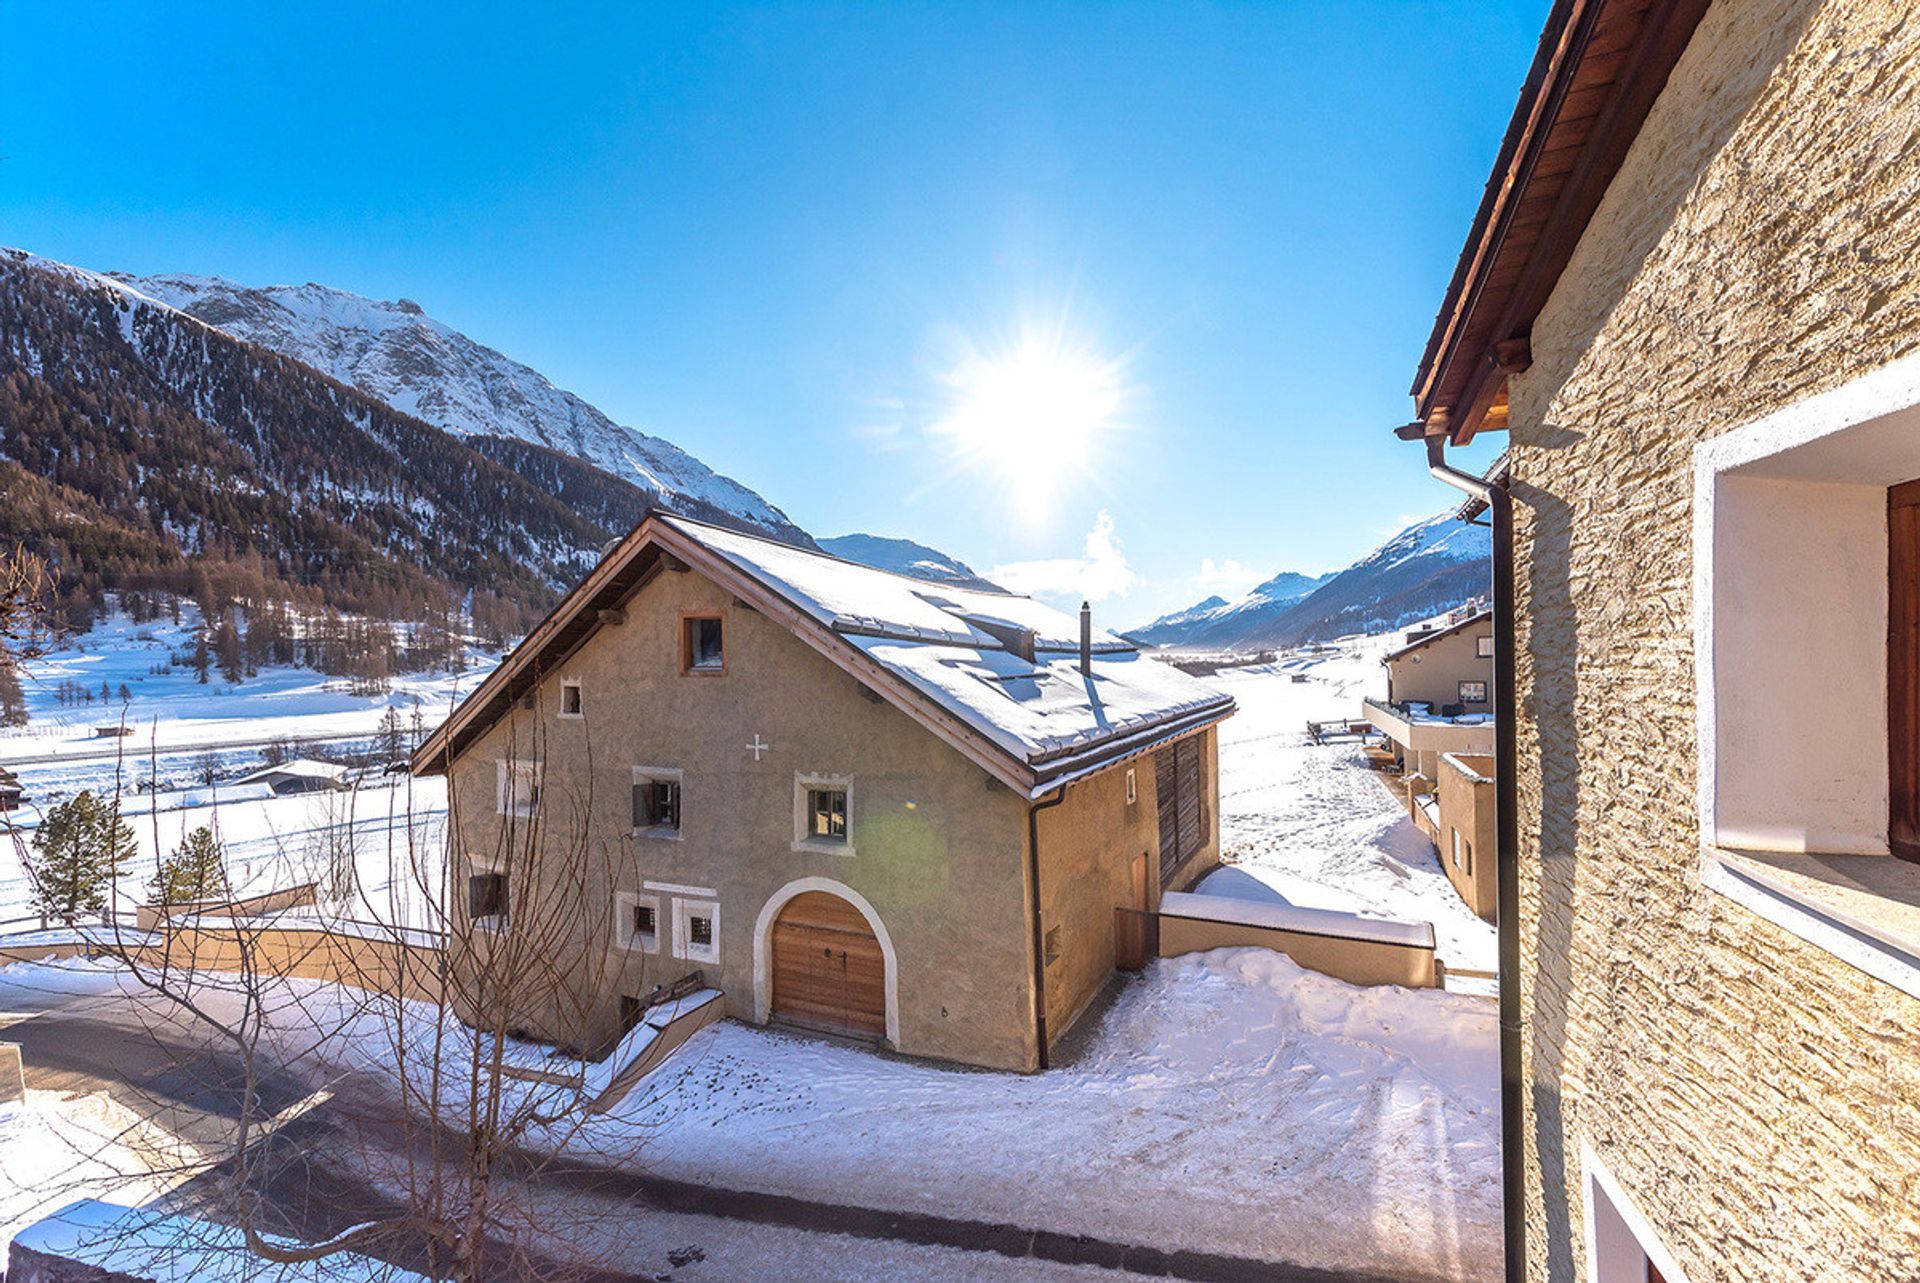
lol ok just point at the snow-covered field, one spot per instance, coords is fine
(181, 728)
(1311, 823)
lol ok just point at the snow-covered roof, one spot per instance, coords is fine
(1292, 917)
(1005, 667)
(1433, 635)
(299, 768)
(861, 601)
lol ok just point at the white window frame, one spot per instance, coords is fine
(573, 684)
(1133, 787)
(661, 832)
(504, 770)
(1790, 562)
(803, 839)
(624, 903)
(1456, 845)
(1619, 1240)
(1483, 647)
(683, 946)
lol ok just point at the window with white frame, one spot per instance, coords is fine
(1483, 647)
(572, 703)
(636, 921)
(656, 801)
(1621, 1245)
(517, 787)
(1806, 662)
(1473, 692)
(823, 813)
(696, 931)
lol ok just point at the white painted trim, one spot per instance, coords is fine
(763, 947)
(502, 766)
(675, 888)
(803, 839)
(1597, 1175)
(1855, 947)
(683, 946)
(624, 903)
(1133, 788)
(1889, 390)
(572, 683)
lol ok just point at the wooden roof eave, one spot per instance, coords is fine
(1600, 67)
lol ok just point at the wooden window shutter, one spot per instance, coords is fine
(1903, 668)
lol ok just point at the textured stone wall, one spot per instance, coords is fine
(1757, 1098)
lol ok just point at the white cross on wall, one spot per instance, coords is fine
(757, 748)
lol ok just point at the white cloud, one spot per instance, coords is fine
(1102, 573)
(1228, 578)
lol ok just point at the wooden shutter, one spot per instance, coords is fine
(1192, 789)
(1166, 789)
(1903, 668)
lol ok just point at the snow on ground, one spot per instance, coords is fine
(271, 842)
(1229, 1102)
(55, 1148)
(1311, 823)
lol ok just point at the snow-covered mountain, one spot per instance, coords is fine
(396, 353)
(1431, 566)
(905, 557)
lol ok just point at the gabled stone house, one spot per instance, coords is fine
(855, 802)
(1691, 298)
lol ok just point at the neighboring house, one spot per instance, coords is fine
(11, 794)
(1455, 809)
(821, 785)
(301, 775)
(1439, 694)
(1692, 299)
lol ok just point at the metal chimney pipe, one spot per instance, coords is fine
(1086, 640)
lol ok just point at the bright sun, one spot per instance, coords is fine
(1036, 415)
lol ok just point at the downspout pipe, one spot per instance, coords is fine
(1039, 926)
(1506, 806)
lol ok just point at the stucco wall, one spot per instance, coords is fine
(1757, 1098)
(1434, 672)
(1465, 789)
(938, 848)
(1087, 847)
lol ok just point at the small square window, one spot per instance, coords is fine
(656, 804)
(636, 921)
(1483, 647)
(696, 931)
(703, 648)
(517, 788)
(487, 897)
(827, 814)
(570, 701)
(1473, 692)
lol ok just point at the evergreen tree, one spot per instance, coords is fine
(393, 735)
(202, 657)
(197, 870)
(13, 700)
(226, 645)
(78, 851)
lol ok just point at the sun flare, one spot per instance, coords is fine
(1035, 414)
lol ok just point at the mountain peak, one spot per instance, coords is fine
(397, 353)
(905, 557)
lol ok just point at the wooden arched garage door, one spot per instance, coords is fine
(828, 971)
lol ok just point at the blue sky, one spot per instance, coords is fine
(790, 238)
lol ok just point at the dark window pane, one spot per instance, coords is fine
(487, 895)
(828, 808)
(643, 921)
(700, 930)
(704, 645)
